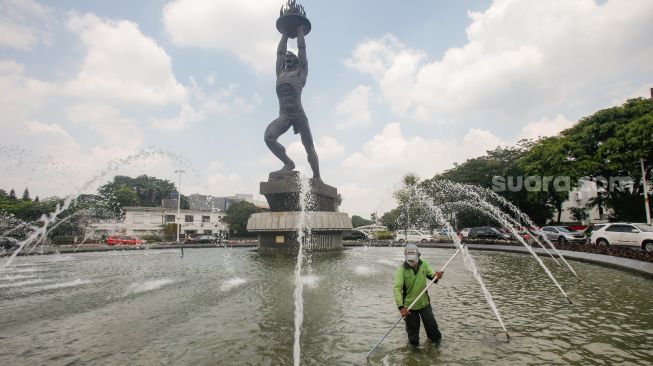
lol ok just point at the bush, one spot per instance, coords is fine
(384, 235)
(152, 238)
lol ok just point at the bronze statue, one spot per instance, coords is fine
(292, 71)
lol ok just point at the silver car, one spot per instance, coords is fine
(563, 235)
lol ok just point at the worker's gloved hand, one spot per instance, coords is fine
(404, 312)
(438, 274)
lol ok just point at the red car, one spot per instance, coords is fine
(124, 240)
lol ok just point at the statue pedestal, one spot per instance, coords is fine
(282, 193)
(278, 230)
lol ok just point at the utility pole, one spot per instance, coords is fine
(645, 184)
(179, 172)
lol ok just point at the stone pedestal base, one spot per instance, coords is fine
(282, 193)
(277, 231)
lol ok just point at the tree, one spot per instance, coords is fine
(579, 214)
(610, 143)
(12, 194)
(140, 191)
(3, 194)
(26, 195)
(547, 162)
(357, 221)
(390, 219)
(37, 199)
(238, 214)
(501, 163)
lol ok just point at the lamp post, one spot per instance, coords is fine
(179, 172)
(645, 184)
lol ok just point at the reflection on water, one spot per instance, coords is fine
(153, 307)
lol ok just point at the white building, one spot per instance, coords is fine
(579, 197)
(141, 221)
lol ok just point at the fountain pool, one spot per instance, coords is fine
(153, 307)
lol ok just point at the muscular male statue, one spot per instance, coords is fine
(291, 78)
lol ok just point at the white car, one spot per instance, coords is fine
(412, 236)
(626, 234)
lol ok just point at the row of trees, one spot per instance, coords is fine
(609, 143)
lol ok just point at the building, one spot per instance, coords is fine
(580, 197)
(140, 221)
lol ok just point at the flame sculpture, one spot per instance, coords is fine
(291, 16)
(291, 7)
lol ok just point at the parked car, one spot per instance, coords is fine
(203, 239)
(441, 235)
(355, 235)
(124, 240)
(465, 232)
(626, 234)
(562, 235)
(412, 235)
(487, 233)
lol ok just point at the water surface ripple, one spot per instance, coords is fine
(234, 306)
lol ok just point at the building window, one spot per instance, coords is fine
(206, 218)
(170, 218)
(189, 218)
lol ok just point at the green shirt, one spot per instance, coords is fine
(409, 282)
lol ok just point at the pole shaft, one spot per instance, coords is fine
(646, 204)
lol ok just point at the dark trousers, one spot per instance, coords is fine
(430, 325)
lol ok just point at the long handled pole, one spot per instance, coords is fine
(413, 304)
(646, 207)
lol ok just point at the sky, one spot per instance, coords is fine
(90, 89)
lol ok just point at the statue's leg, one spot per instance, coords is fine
(307, 141)
(275, 129)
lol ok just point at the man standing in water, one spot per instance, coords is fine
(291, 79)
(410, 279)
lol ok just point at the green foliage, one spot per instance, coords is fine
(610, 143)
(238, 214)
(26, 195)
(170, 231)
(391, 219)
(357, 221)
(140, 191)
(151, 239)
(480, 171)
(579, 213)
(547, 158)
(384, 235)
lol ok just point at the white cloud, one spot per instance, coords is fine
(390, 155)
(201, 105)
(354, 108)
(24, 24)
(19, 94)
(544, 127)
(114, 129)
(122, 64)
(245, 28)
(523, 59)
(327, 148)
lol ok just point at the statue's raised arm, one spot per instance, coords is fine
(281, 52)
(302, 60)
